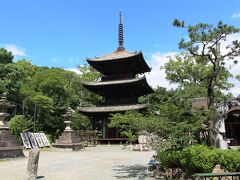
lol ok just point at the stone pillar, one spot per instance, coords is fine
(33, 160)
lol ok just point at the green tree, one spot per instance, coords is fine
(88, 74)
(47, 94)
(204, 46)
(10, 77)
(208, 63)
(190, 74)
(81, 122)
(18, 124)
(168, 119)
(6, 57)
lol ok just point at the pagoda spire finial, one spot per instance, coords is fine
(120, 33)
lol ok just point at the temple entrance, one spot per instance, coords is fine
(232, 125)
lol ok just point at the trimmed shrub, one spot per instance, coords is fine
(170, 158)
(199, 158)
(230, 159)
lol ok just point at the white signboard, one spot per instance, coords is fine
(32, 139)
(44, 139)
(25, 140)
(39, 139)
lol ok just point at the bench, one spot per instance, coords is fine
(205, 176)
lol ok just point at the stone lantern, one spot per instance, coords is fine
(9, 145)
(4, 106)
(68, 139)
(68, 120)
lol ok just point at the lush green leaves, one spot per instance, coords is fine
(199, 158)
(19, 123)
(203, 65)
(87, 98)
(168, 121)
(6, 57)
(81, 122)
(42, 94)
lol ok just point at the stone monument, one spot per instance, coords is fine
(9, 145)
(68, 139)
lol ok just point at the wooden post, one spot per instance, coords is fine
(33, 163)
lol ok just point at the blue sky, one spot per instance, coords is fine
(63, 33)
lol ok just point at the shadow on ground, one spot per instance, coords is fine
(131, 171)
(40, 177)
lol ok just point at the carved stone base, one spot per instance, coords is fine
(9, 146)
(68, 140)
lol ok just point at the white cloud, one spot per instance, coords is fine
(76, 70)
(16, 51)
(233, 68)
(236, 89)
(74, 60)
(157, 76)
(236, 15)
(55, 60)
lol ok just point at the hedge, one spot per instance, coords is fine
(200, 158)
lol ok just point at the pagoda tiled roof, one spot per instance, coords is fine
(112, 109)
(114, 82)
(118, 54)
(121, 88)
(120, 62)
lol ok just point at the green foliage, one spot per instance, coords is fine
(230, 159)
(191, 74)
(45, 97)
(6, 57)
(9, 80)
(81, 122)
(203, 65)
(200, 158)
(18, 124)
(178, 23)
(88, 74)
(168, 118)
(238, 77)
(43, 94)
(208, 64)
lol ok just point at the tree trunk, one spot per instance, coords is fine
(210, 126)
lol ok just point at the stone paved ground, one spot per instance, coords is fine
(92, 163)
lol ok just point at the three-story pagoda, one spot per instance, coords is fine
(122, 83)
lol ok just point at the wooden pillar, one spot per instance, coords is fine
(104, 128)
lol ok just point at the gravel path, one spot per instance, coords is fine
(92, 163)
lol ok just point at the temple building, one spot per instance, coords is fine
(228, 125)
(121, 84)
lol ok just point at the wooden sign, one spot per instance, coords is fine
(25, 140)
(38, 139)
(44, 139)
(32, 139)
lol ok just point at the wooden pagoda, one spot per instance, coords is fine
(121, 84)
